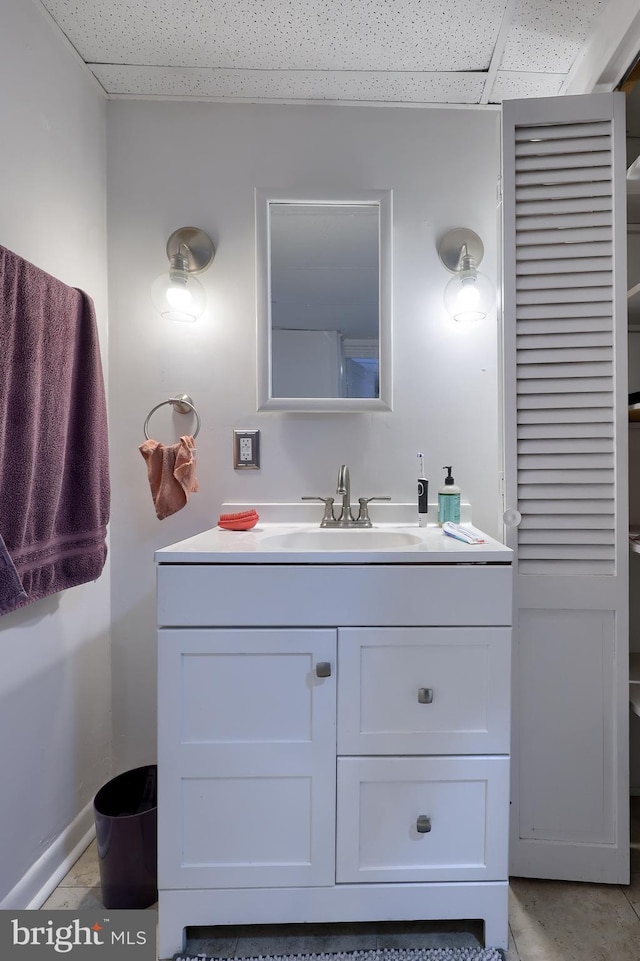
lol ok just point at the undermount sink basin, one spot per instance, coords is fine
(337, 539)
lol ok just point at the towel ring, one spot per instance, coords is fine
(182, 404)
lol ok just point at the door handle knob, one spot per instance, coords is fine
(425, 695)
(323, 669)
(423, 824)
(512, 517)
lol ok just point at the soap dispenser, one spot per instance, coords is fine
(449, 500)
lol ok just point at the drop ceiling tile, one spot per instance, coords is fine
(510, 85)
(281, 85)
(547, 36)
(448, 35)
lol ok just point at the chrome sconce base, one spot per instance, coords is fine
(194, 246)
(452, 245)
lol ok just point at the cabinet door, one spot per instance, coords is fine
(422, 819)
(566, 483)
(435, 690)
(246, 765)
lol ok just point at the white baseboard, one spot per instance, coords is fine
(33, 889)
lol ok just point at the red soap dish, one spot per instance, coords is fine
(241, 521)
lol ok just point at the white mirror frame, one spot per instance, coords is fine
(383, 199)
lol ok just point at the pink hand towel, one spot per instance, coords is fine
(172, 474)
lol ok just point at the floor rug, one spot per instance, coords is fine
(381, 954)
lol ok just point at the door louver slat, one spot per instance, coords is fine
(557, 205)
(547, 524)
(567, 537)
(579, 369)
(568, 191)
(572, 175)
(563, 251)
(527, 354)
(564, 357)
(568, 552)
(554, 161)
(558, 281)
(562, 386)
(600, 429)
(525, 237)
(536, 135)
(554, 402)
(582, 265)
(533, 321)
(573, 415)
(566, 445)
(596, 476)
(563, 221)
(595, 507)
(575, 491)
(555, 461)
(573, 341)
(600, 295)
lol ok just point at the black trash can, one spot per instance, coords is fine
(125, 812)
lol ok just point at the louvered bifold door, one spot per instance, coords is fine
(564, 328)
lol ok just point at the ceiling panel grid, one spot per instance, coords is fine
(368, 51)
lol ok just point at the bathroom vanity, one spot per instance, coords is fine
(333, 728)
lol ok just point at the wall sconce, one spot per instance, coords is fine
(176, 294)
(469, 295)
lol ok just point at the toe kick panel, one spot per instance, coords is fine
(421, 819)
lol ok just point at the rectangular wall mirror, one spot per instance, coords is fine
(324, 300)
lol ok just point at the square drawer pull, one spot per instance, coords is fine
(423, 824)
(323, 669)
(425, 695)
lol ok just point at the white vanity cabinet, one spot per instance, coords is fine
(333, 742)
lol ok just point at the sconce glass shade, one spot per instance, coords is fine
(469, 296)
(176, 294)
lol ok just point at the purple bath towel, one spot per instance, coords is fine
(54, 471)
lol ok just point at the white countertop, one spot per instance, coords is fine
(217, 546)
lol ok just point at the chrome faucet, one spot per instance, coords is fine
(345, 517)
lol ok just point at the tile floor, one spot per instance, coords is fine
(548, 920)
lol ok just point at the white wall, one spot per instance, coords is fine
(55, 674)
(178, 164)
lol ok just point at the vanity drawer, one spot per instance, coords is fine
(432, 690)
(422, 819)
(291, 595)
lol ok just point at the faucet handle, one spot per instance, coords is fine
(328, 508)
(363, 513)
